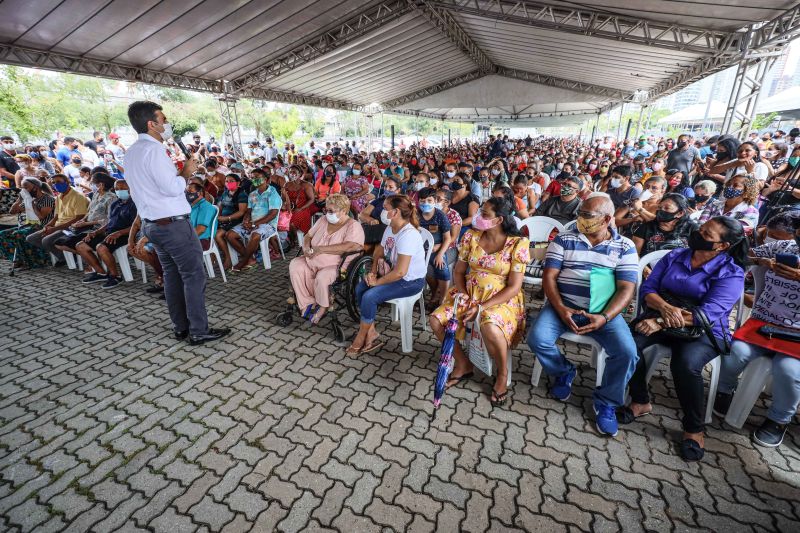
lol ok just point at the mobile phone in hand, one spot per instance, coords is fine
(580, 320)
(790, 260)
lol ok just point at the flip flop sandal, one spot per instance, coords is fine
(625, 415)
(249, 267)
(352, 353)
(500, 398)
(308, 312)
(374, 347)
(458, 379)
(691, 450)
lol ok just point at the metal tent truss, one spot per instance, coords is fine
(230, 121)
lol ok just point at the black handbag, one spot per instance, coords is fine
(686, 333)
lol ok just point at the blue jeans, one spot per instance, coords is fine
(785, 378)
(442, 274)
(369, 298)
(615, 337)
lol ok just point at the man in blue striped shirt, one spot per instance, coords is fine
(589, 278)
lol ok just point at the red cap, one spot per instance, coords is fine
(113, 136)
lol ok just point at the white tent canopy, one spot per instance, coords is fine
(476, 60)
(786, 103)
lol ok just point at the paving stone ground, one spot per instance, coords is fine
(108, 424)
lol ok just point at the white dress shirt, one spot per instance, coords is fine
(156, 188)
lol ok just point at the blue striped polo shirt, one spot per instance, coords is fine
(572, 254)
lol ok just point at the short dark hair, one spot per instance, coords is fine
(427, 192)
(6, 138)
(69, 140)
(622, 170)
(142, 112)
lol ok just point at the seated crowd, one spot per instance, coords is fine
(453, 220)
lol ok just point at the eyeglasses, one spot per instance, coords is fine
(328, 211)
(588, 214)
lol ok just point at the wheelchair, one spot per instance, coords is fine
(342, 293)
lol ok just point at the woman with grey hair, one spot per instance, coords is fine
(36, 207)
(703, 197)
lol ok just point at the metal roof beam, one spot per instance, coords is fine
(433, 89)
(324, 42)
(766, 41)
(596, 24)
(522, 116)
(29, 57)
(446, 22)
(552, 81)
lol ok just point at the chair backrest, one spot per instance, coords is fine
(648, 260)
(427, 237)
(759, 272)
(518, 221)
(539, 228)
(214, 225)
(569, 226)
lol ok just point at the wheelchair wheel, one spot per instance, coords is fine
(357, 270)
(338, 332)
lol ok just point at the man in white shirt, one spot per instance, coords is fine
(159, 194)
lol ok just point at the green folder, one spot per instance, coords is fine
(602, 286)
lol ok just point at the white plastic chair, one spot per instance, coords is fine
(403, 308)
(213, 250)
(757, 375)
(654, 354)
(539, 230)
(74, 261)
(264, 246)
(571, 225)
(142, 267)
(598, 357)
(121, 256)
(648, 260)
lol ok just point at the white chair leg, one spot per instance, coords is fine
(264, 246)
(121, 255)
(406, 326)
(653, 355)
(599, 365)
(536, 374)
(751, 384)
(219, 262)
(70, 259)
(53, 259)
(234, 255)
(395, 313)
(209, 265)
(716, 364)
(422, 317)
(278, 240)
(143, 267)
(509, 365)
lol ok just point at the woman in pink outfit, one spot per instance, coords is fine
(313, 272)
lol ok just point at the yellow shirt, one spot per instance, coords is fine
(70, 206)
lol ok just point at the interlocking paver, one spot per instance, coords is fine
(275, 429)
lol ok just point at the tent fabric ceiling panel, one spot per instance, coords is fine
(727, 15)
(380, 66)
(200, 43)
(623, 66)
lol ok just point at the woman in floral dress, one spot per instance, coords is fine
(496, 255)
(357, 187)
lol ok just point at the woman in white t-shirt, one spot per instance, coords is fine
(402, 249)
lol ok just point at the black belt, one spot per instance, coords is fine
(166, 220)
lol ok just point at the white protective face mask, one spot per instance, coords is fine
(434, 181)
(356, 172)
(495, 172)
(167, 131)
(451, 174)
(333, 218)
(385, 218)
(615, 182)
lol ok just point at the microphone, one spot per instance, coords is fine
(183, 148)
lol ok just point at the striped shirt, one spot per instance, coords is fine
(572, 254)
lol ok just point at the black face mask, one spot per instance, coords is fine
(663, 216)
(700, 199)
(456, 186)
(191, 197)
(681, 144)
(698, 243)
(797, 240)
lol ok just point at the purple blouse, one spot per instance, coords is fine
(717, 285)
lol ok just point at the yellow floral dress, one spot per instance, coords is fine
(488, 275)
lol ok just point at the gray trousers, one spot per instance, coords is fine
(181, 257)
(47, 243)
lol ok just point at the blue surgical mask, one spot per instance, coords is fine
(389, 193)
(61, 187)
(123, 194)
(427, 208)
(730, 192)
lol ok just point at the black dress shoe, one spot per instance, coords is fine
(211, 335)
(155, 289)
(180, 335)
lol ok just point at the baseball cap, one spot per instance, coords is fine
(113, 136)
